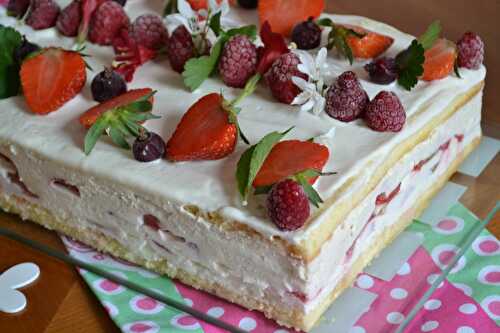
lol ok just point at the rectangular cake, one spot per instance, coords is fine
(187, 220)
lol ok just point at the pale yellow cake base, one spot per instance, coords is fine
(285, 316)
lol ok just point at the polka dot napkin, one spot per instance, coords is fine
(467, 301)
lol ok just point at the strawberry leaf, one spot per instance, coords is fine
(338, 37)
(93, 134)
(252, 159)
(410, 65)
(215, 23)
(10, 39)
(118, 138)
(430, 36)
(197, 70)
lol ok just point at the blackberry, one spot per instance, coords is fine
(307, 35)
(248, 4)
(106, 85)
(382, 70)
(24, 50)
(148, 147)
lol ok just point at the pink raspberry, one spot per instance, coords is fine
(279, 77)
(238, 61)
(180, 48)
(346, 99)
(106, 22)
(149, 31)
(42, 14)
(68, 21)
(385, 113)
(288, 205)
(470, 51)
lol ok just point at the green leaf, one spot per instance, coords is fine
(215, 23)
(311, 193)
(262, 190)
(410, 65)
(430, 36)
(252, 159)
(94, 133)
(456, 69)
(170, 8)
(140, 106)
(325, 22)
(197, 70)
(118, 138)
(10, 39)
(247, 30)
(338, 38)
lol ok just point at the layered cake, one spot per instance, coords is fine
(385, 145)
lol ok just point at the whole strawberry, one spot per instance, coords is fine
(149, 31)
(17, 8)
(346, 99)
(238, 61)
(106, 22)
(288, 205)
(385, 113)
(180, 48)
(279, 77)
(69, 19)
(42, 14)
(470, 51)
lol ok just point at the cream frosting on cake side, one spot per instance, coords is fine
(210, 185)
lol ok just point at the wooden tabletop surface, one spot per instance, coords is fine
(61, 302)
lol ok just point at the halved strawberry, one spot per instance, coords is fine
(51, 78)
(290, 157)
(283, 15)
(370, 46)
(439, 60)
(205, 132)
(203, 4)
(91, 115)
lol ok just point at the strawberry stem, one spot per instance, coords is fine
(250, 87)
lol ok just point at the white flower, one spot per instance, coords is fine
(216, 7)
(313, 90)
(195, 21)
(310, 98)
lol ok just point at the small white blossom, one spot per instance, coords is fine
(313, 90)
(310, 98)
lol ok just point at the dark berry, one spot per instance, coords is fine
(385, 113)
(68, 21)
(148, 30)
(107, 20)
(346, 99)
(42, 14)
(279, 77)
(17, 8)
(121, 2)
(288, 205)
(248, 4)
(470, 51)
(148, 147)
(238, 61)
(307, 35)
(382, 70)
(24, 50)
(106, 85)
(180, 48)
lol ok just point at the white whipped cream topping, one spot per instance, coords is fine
(210, 185)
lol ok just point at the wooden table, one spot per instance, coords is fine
(61, 302)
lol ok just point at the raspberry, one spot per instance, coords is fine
(238, 61)
(346, 99)
(180, 48)
(307, 35)
(470, 51)
(149, 31)
(287, 205)
(68, 21)
(385, 113)
(43, 14)
(106, 85)
(17, 8)
(279, 77)
(106, 22)
(382, 70)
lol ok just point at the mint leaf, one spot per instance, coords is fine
(410, 65)
(10, 39)
(311, 193)
(197, 70)
(247, 30)
(215, 23)
(252, 159)
(430, 36)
